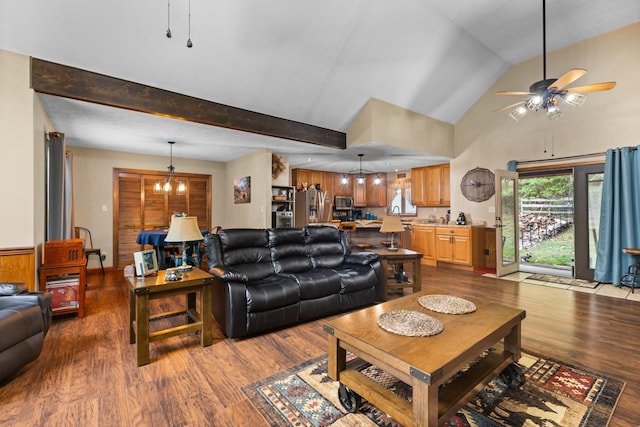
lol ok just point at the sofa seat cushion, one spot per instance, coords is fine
(18, 325)
(356, 277)
(278, 290)
(318, 283)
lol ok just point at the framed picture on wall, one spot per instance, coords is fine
(242, 190)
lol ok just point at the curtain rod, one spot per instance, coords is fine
(578, 156)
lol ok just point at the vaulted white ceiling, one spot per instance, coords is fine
(316, 62)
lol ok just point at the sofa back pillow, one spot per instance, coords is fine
(288, 250)
(246, 251)
(324, 246)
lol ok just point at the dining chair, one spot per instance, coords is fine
(84, 234)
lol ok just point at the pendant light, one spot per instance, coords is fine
(166, 186)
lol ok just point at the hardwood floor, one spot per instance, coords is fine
(87, 374)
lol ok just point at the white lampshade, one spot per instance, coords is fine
(392, 224)
(183, 229)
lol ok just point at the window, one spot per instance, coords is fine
(400, 195)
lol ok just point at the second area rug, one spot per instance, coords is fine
(554, 394)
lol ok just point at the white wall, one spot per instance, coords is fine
(607, 120)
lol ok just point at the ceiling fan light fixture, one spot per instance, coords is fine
(518, 113)
(553, 112)
(575, 99)
(534, 103)
(376, 180)
(360, 179)
(546, 93)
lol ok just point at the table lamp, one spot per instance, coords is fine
(392, 224)
(184, 229)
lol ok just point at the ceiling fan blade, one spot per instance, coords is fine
(509, 106)
(568, 78)
(504, 92)
(592, 88)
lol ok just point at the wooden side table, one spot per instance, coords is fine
(79, 269)
(396, 257)
(145, 289)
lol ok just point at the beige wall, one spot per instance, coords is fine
(93, 188)
(257, 213)
(607, 120)
(17, 216)
(389, 124)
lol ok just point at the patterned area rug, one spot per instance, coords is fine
(563, 280)
(554, 394)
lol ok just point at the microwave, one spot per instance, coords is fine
(343, 203)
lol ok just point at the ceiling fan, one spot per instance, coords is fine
(549, 93)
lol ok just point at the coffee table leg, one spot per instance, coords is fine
(385, 274)
(142, 328)
(512, 341)
(425, 404)
(336, 359)
(417, 275)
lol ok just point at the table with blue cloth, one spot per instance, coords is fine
(156, 238)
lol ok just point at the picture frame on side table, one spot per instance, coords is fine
(146, 262)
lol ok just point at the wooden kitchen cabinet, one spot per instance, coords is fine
(342, 190)
(453, 245)
(460, 246)
(430, 185)
(418, 186)
(359, 193)
(423, 240)
(376, 195)
(437, 185)
(363, 195)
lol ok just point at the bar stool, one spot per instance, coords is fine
(632, 278)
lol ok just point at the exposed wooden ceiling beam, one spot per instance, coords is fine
(69, 82)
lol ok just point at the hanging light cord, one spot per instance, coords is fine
(168, 19)
(189, 44)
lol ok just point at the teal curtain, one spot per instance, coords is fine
(619, 214)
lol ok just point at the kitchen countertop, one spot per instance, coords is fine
(432, 224)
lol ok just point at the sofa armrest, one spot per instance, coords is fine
(42, 299)
(229, 275)
(361, 258)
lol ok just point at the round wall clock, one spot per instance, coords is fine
(478, 184)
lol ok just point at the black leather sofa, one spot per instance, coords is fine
(25, 318)
(271, 278)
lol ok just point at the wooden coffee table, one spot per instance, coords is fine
(142, 290)
(424, 362)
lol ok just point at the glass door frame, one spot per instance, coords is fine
(582, 268)
(507, 226)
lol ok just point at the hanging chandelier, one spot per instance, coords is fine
(166, 186)
(361, 179)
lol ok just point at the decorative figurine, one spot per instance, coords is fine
(462, 220)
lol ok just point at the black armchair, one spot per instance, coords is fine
(25, 318)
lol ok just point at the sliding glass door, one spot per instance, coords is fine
(588, 192)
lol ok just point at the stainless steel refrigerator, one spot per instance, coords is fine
(312, 206)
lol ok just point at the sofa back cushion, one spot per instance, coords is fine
(324, 246)
(246, 251)
(288, 250)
